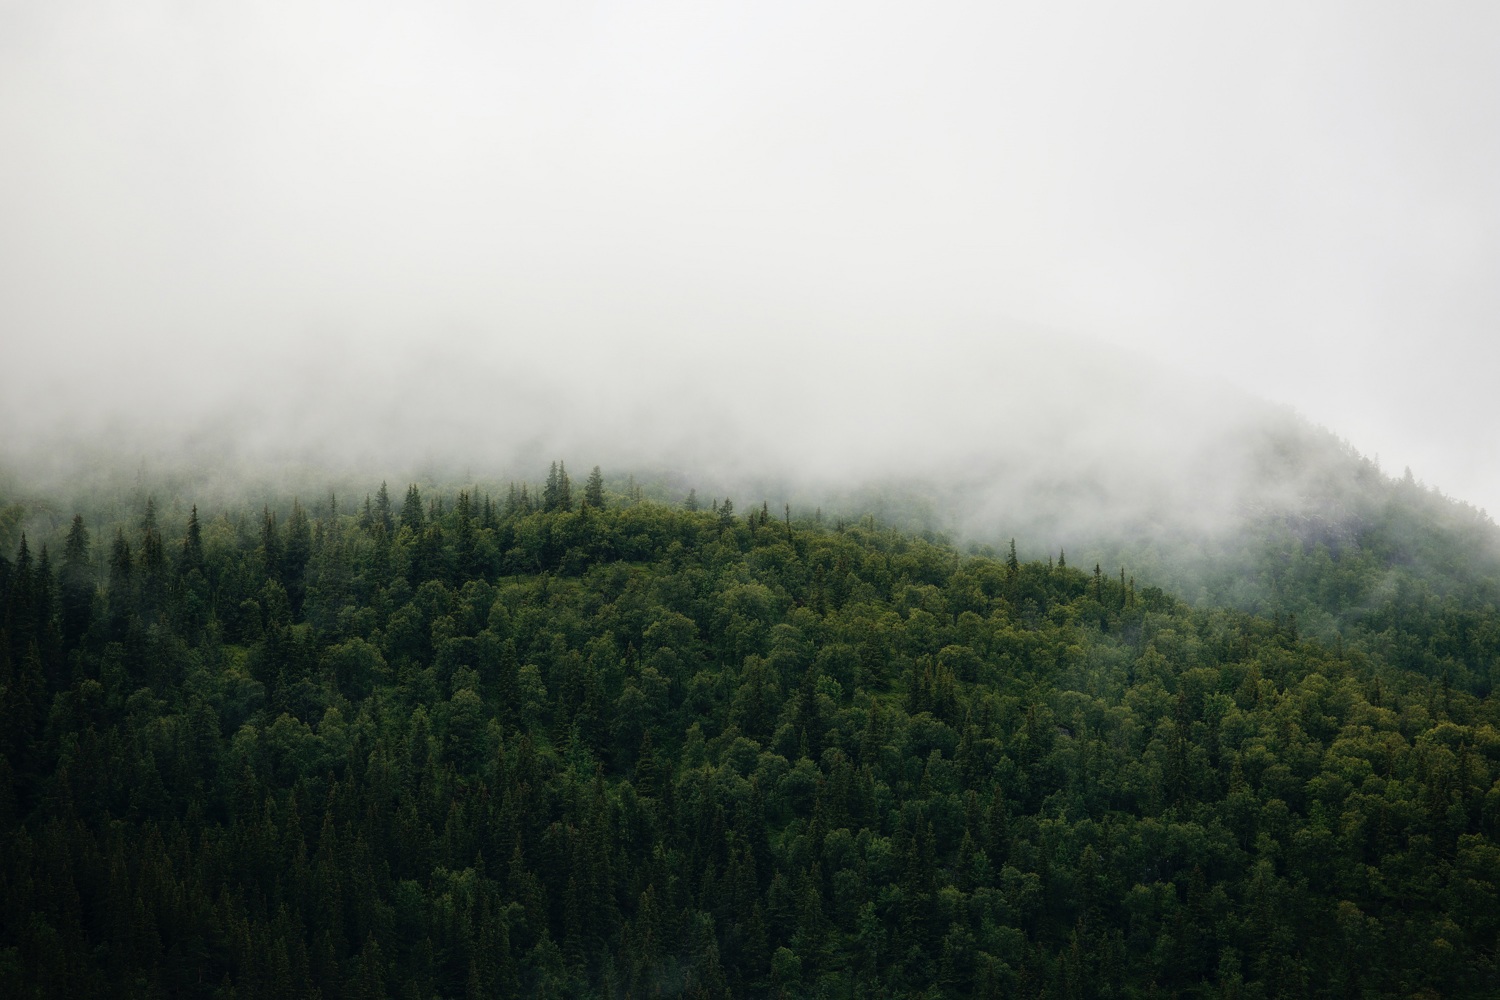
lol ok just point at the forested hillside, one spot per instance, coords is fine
(1319, 533)
(571, 742)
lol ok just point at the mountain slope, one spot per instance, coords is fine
(496, 749)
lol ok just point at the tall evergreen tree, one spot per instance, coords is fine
(191, 556)
(152, 565)
(593, 490)
(557, 494)
(121, 582)
(383, 507)
(76, 583)
(297, 551)
(20, 612)
(464, 542)
(564, 488)
(270, 545)
(412, 516)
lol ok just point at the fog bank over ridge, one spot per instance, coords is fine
(1027, 432)
(821, 240)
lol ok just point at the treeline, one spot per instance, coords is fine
(566, 743)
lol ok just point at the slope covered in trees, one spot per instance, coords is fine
(573, 743)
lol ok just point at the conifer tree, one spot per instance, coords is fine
(383, 507)
(121, 581)
(295, 554)
(464, 550)
(593, 490)
(20, 607)
(411, 510)
(191, 556)
(77, 583)
(153, 565)
(557, 494)
(270, 545)
(550, 490)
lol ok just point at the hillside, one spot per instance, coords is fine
(1269, 514)
(578, 743)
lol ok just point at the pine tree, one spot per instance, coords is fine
(20, 607)
(464, 544)
(77, 583)
(295, 554)
(121, 583)
(564, 488)
(593, 490)
(153, 565)
(383, 507)
(550, 490)
(411, 510)
(191, 556)
(557, 495)
(270, 545)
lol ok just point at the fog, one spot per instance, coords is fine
(1005, 247)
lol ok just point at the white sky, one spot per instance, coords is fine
(743, 206)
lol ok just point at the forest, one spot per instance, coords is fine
(561, 741)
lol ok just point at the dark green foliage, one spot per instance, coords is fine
(557, 495)
(593, 490)
(76, 583)
(609, 751)
(382, 509)
(412, 516)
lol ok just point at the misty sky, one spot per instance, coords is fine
(849, 224)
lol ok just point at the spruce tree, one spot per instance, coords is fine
(383, 507)
(77, 583)
(551, 490)
(593, 490)
(557, 495)
(411, 510)
(191, 556)
(121, 582)
(270, 545)
(295, 554)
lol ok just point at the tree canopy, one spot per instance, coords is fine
(622, 748)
